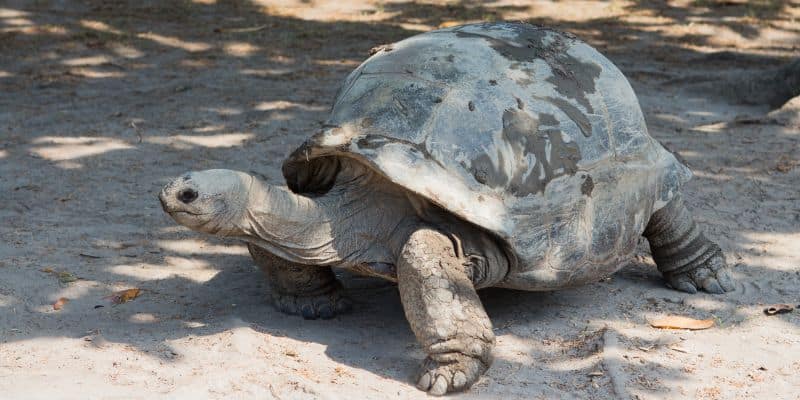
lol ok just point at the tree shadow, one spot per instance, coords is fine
(555, 342)
(436, 14)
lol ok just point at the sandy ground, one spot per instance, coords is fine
(102, 102)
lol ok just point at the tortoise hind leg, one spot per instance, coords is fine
(686, 258)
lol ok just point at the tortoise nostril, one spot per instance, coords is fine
(187, 195)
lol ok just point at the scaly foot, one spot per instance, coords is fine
(449, 372)
(323, 305)
(712, 276)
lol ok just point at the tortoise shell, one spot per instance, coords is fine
(524, 131)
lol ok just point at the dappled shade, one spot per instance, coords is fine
(103, 102)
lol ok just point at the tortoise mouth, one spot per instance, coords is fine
(175, 212)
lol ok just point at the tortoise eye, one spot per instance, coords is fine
(187, 195)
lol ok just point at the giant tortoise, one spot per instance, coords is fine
(486, 155)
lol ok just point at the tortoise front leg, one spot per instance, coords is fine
(310, 291)
(444, 312)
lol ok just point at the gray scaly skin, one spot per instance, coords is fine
(438, 271)
(682, 253)
(309, 291)
(445, 313)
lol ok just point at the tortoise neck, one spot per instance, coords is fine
(294, 227)
(363, 218)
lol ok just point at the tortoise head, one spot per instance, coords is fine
(211, 201)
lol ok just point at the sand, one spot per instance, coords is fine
(101, 103)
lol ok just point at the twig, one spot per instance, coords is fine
(611, 355)
(241, 30)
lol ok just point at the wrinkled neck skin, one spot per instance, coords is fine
(358, 220)
(290, 226)
(363, 219)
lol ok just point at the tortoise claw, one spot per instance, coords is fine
(458, 373)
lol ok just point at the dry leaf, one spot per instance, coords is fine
(785, 164)
(59, 304)
(66, 277)
(678, 322)
(124, 296)
(450, 24)
(63, 276)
